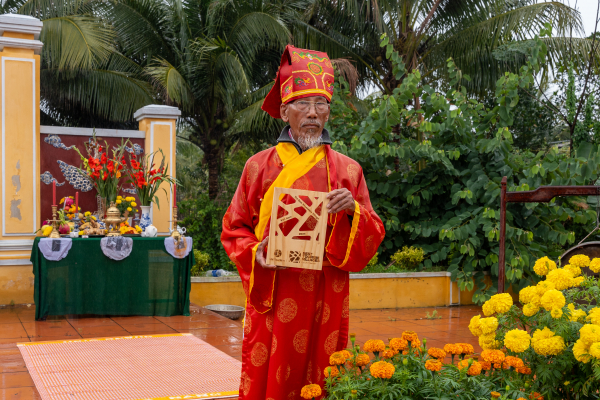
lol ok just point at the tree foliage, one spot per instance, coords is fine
(450, 208)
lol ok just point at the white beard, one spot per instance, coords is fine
(309, 142)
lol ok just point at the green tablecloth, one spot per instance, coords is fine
(148, 282)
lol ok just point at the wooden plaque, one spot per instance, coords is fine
(298, 229)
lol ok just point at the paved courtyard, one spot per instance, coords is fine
(17, 324)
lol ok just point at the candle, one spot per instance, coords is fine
(77, 202)
(53, 193)
(174, 195)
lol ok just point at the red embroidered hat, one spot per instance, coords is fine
(302, 73)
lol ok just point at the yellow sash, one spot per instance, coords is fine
(294, 167)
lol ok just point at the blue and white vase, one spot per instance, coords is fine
(146, 219)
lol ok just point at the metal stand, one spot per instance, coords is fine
(54, 234)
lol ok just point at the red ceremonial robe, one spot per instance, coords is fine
(295, 318)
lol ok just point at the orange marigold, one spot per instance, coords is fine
(362, 359)
(466, 348)
(331, 371)
(398, 344)
(415, 343)
(524, 370)
(436, 353)
(382, 369)
(347, 354)
(475, 368)
(495, 395)
(310, 391)
(337, 358)
(511, 361)
(409, 336)
(388, 353)
(493, 356)
(485, 365)
(452, 348)
(374, 346)
(536, 396)
(433, 364)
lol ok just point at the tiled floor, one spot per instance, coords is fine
(17, 324)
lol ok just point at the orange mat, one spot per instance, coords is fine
(150, 367)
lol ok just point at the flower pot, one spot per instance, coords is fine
(146, 219)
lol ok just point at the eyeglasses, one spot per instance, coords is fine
(320, 106)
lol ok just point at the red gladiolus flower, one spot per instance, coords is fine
(105, 176)
(135, 164)
(103, 158)
(110, 167)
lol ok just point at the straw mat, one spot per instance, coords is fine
(151, 367)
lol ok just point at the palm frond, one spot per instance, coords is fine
(171, 83)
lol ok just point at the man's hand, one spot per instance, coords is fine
(340, 200)
(260, 256)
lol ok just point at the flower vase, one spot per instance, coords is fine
(146, 219)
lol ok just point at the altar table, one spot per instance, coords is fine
(148, 282)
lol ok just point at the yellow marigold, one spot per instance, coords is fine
(581, 351)
(502, 302)
(573, 269)
(488, 308)
(331, 371)
(594, 350)
(517, 340)
(495, 395)
(561, 278)
(576, 282)
(362, 359)
(556, 313)
(374, 346)
(409, 336)
(543, 287)
(485, 365)
(310, 391)
(452, 349)
(524, 370)
(580, 260)
(526, 294)
(382, 369)
(488, 325)
(511, 361)
(553, 299)
(475, 326)
(543, 266)
(493, 356)
(388, 353)
(436, 353)
(576, 315)
(489, 342)
(589, 334)
(466, 348)
(398, 344)
(433, 364)
(594, 316)
(595, 265)
(530, 309)
(337, 358)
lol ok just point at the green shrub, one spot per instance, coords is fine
(373, 261)
(408, 258)
(202, 261)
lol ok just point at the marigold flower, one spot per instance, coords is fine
(511, 361)
(594, 316)
(362, 359)
(561, 278)
(488, 309)
(524, 370)
(489, 342)
(589, 334)
(436, 352)
(475, 369)
(573, 269)
(517, 340)
(495, 395)
(502, 302)
(462, 364)
(543, 287)
(409, 336)
(337, 358)
(475, 326)
(347, 355)
(331, 371)
(521, 398)
(466, 348)
(452, 349)
(382, 369)
(310, 391)
(433, 364)
(594, 350)
(536, 396)
(374, 346)
(580, 260)
(546, 343)
(493, 356)
(544, 265)
(526, 294)
(576, 282)
(388, 353)
(488, 325)
(415, 344)
(530, 309)
(553, 299)
(398, 344)
(595, 265)
(556, 313)
(581, 351)
(485, 365)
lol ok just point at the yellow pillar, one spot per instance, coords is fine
(19, 153)
(159, 124)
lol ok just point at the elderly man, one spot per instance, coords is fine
(295, 318)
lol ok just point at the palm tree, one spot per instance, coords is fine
(85, 79)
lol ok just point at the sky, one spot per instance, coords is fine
(588, 9)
